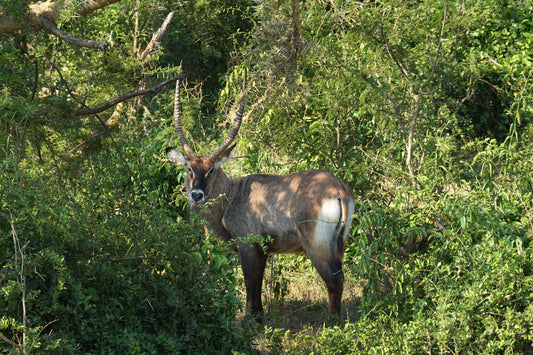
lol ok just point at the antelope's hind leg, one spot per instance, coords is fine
(326, 251)
(330, 269)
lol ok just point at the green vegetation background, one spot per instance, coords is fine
(424, 108)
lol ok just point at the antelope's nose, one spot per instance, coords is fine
(197, 196)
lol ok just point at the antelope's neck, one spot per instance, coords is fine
(222, 194)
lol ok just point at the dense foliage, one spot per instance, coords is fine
(100, 274)
(424, 109)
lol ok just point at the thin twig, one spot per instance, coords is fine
(129, 259)
(36, 80)
(22, 280)
(435, 61)
(63, 158)
(298, 310)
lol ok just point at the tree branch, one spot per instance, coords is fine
(17, 346)
(50, 27)
(114, 102)
(88, 6)
(398, 63)
(156, 38)
(47, 9)
(434, 62)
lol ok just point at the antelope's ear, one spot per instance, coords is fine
(176, 157)
(225, 156)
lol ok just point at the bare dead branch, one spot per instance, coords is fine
(114, 102)
(49, 9)
(88, 6)
(156, 38)
(50, 27)
(17, 346)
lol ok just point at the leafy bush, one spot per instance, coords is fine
(96, 262)
(466, 290)
(94, 259)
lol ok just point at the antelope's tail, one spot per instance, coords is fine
(347, 206)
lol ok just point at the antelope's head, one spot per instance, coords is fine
(203, 170)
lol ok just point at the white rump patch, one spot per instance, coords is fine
(328, 220)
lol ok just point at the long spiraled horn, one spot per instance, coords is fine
(177, 122)
(236, 125)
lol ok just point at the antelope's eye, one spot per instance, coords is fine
(209, 172)
(191, 172)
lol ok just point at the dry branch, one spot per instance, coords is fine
(156, 38)
(18, 347)
(114, 102)
(42, 15)
(50, 27)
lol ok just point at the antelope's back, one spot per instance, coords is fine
(283, 206)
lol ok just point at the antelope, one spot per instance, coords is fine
(309, 211)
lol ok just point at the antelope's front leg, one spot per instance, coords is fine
(253, 261)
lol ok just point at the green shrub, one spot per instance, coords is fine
(103, 266)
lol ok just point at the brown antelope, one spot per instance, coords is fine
(308, 211)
